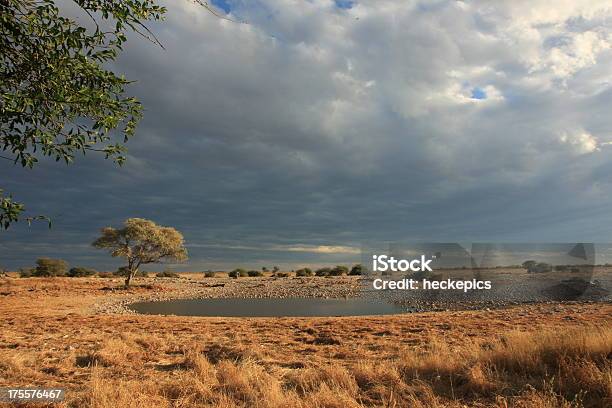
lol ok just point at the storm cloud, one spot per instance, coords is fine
(293, 131)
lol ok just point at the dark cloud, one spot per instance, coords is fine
(322, 126)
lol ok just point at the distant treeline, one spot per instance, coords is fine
(48, 267)
(338, 270)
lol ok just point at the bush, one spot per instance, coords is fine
(356, 270)
(50, 267)
(167, 274)
(79, 271)
(303, 272)
(123, 271)
(237, 273)
(323, 272)
(106, 275)
(282, 274)
(26, 272)
(339, 270)
(541, 267)
(209, 274)
(254, 274)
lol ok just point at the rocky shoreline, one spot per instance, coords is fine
(224, 288)
(342, 287)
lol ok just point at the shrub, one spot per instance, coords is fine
(237, 273)
(339, 270)
(323, 272)
(356, 270)
(26, 272)
(106, 275)
(122, 271)
(529, 265)
(50, 267)
(418, 275)
(167, 274)
(79, 271)
(254, 273)
(282, 274)
(303, 272)
(209, 274)
(541, 267)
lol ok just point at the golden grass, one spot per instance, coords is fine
(527, 356)
(572, 368)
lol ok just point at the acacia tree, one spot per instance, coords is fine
(142, 242)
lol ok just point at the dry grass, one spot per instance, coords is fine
(550, 369)
(531, 356)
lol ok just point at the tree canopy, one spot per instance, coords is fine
(57, 98)
(141, 242)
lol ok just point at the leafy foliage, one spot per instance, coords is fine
(50, 267)
(339, 270)
(142, 242)
(237, 273)
(79, 271)
(255, 274)
(26, 272)
(56, 97)
(167, 274)
(323, 272)
(303, 272)
(356, 270)
(281, 274)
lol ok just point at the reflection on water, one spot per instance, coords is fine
(270, 307)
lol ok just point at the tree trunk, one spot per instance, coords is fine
(129, 277)
(132, 269)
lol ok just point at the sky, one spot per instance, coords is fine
(291, 132)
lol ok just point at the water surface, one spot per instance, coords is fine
(292, 307)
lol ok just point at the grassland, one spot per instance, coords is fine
(545, 355)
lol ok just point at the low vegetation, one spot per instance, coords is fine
(303, 272)
(323, 272)
(50, 267)
(281, 274)
(167, 274)
(519, 369)
(47, 267)
(238, 273)
(78, 272)
(254, 274)
(356, 270)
